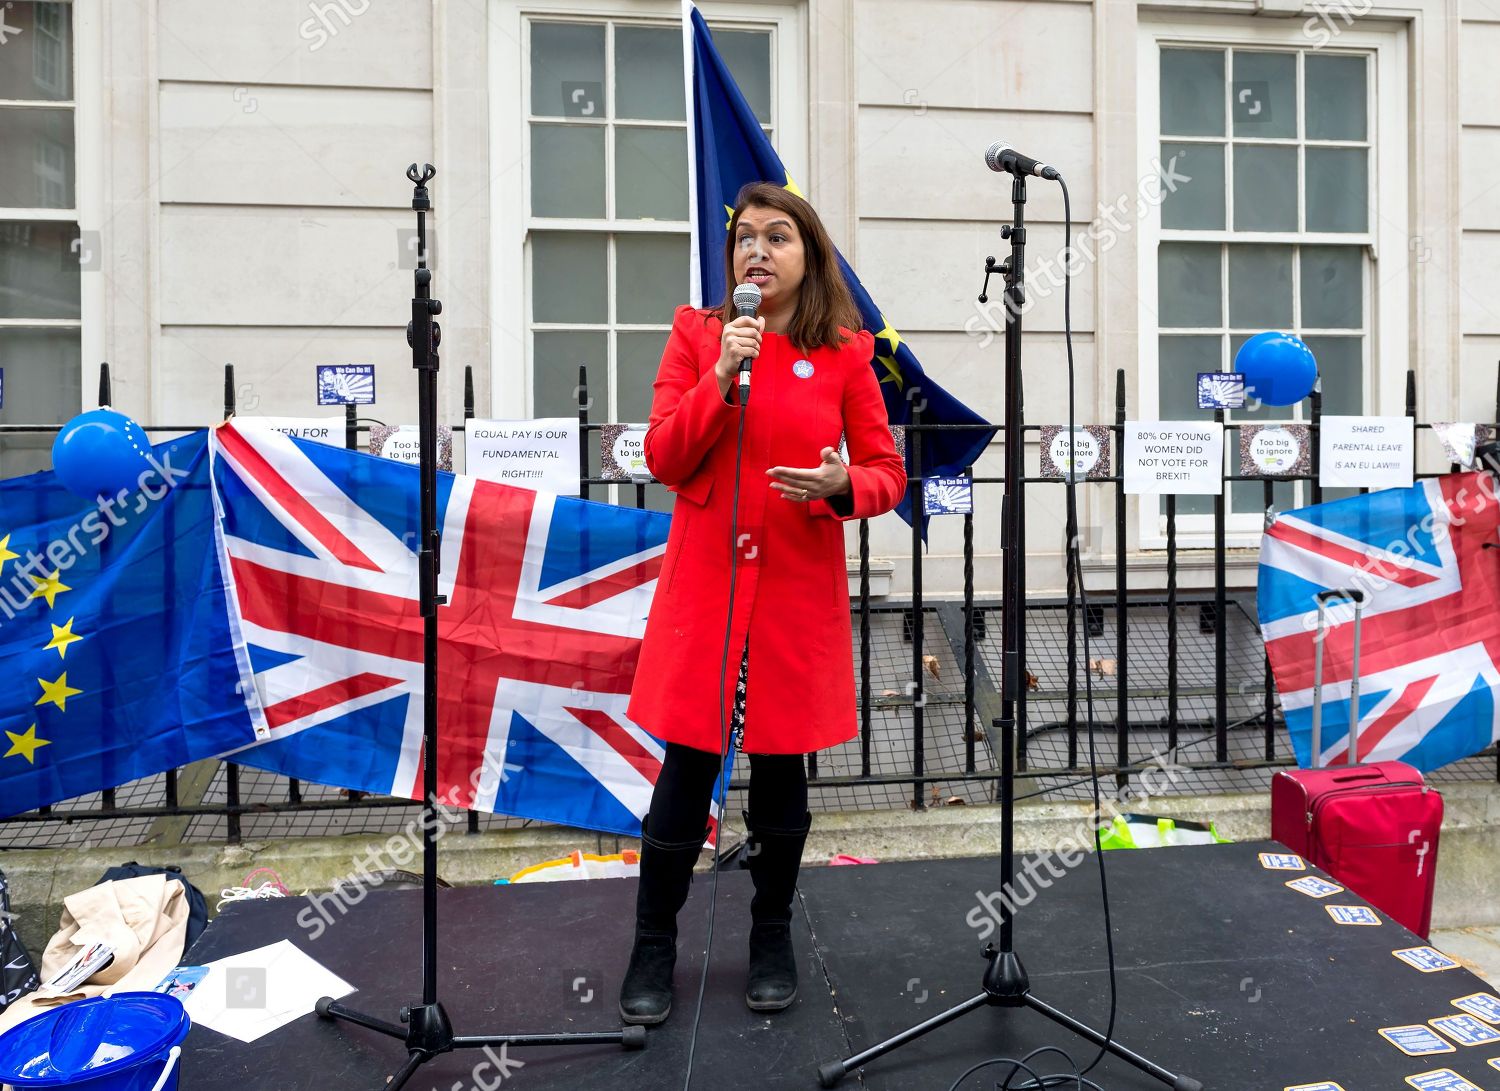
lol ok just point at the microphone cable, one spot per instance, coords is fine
(1074, 558)
(713, 894)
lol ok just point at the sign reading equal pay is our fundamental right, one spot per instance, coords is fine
(1182, 457)
(1370, 452)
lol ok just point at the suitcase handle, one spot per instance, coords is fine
(1323, 598)
(1353, 775)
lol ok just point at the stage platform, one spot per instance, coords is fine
(1225, 974)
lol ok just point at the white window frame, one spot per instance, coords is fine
(510, 151)
(1388, 292)
(86, 106)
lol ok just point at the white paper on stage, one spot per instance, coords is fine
(1370, 452)
(1182, 457)
(249, 995)
(534, 454)
(328, 430)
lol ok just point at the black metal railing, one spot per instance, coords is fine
(1200, 695)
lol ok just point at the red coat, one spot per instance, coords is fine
(792, 593)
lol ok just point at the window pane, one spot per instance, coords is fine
(1340, 366)
(1332, 287)
(567, 170)
(36, 169)
(747, 53)
(1260, 287)
(1196, 199)
(39, 64)
(1192, 92)
(648, 74)
(651, 278)
(639, 356)
(1265, 94)
(555, 358)
(651, 174)
(1338, 190)
(1189, 284)
(569, 277)
(1265, 188)
(1336, 99)
(43, 373)
(567, 70)
(1250, 496)
(1182, 357)
(39, 270)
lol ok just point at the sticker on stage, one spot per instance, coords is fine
(1314, 887)
(1442, 1079)
(1427, 959)
(1482, 1005)
(1494, 1062)
(1326, 1085)
(1466, 1030)
(1282, 861)
(1352, 914)
(1417, 1040)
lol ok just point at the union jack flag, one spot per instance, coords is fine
(1430, 633)
(547, 602)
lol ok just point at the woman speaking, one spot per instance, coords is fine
(785, 555)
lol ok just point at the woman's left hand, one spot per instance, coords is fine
(818, 483)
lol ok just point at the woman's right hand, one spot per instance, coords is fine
(741, 338)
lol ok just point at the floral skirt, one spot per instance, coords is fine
(737, 717)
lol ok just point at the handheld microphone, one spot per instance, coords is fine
(746, 303)
(1006, 160)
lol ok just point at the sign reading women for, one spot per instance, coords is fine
(1372, 452)
(1181, 457)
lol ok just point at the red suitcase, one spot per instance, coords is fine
(1374, 827)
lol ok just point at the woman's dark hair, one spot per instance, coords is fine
(824, 303)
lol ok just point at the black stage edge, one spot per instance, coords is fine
(1224, 972)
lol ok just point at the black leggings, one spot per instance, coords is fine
(679, 804)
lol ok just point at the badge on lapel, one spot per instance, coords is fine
(803, 369)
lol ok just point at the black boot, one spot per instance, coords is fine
(666, 874)
(775, 856)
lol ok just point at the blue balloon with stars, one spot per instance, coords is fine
(101, 452)
(1279, 368)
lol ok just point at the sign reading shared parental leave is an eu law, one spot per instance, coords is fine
(534, 454)
(1368, 452)
(1182, 457)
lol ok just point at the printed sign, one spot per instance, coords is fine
(401, 442)
(1279, 861)
(1369, 452)
(1416, 1040)
(346, 384)
(1090, 446)
(948, 496)
(1184, 458)
(328, 430)
(1326, 1085)
(1466, 1030)
(534, 454)
(1221, 390)
(1442, 1079)
(1352, 914)
(1314, 887)
(622, 452)
(1275, 450)
(1427, 959)
(1483, 1005)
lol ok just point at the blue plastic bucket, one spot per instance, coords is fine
(125, 1042)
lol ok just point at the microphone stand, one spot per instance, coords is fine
(1005, 983)
(428, 1033)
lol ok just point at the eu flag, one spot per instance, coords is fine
(729, 150)
(117, 655)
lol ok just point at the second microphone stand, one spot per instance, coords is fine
(1005, 982)
(427, 1032)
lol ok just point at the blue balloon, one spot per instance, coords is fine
(1279, 368)
(101, 452)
